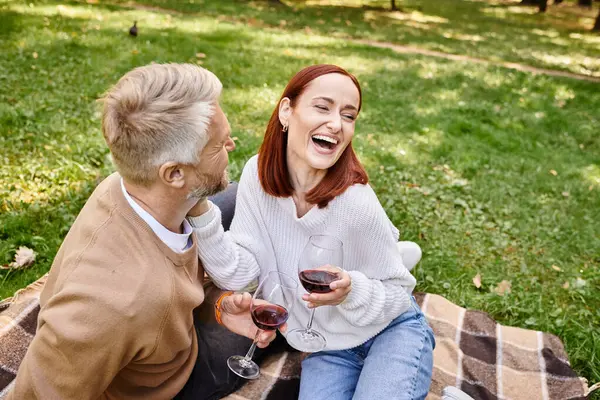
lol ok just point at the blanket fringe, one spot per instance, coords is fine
(592, 389)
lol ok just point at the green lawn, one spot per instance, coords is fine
(496, 30)
(490, 170)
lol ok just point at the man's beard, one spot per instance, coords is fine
(210, 186)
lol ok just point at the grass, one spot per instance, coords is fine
(492, 171)
(496, 30)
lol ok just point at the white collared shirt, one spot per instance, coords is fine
(178, 242)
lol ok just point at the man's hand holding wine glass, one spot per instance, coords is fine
(335, 293)
(237, 318)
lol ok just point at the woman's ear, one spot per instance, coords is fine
(285, 111)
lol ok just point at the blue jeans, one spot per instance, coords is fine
(395, 364)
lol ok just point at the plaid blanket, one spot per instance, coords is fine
(483, 358)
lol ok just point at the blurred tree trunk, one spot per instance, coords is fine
(530, 2)
(585, 3)
(597, 24)
(542, 5)
(558, 1)
(394, 7)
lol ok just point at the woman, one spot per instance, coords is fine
(307, 180)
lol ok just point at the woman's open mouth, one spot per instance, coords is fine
(324, 144)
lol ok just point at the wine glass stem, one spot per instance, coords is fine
(310, 321)
(250, 352)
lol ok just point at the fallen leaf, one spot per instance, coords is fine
(553, 172)
(282, 22)
(477, 281)
(556, 268)
(321, 22)
(200, 55)
(566, 285)
(24, 257)
(579, 283)
(566, 194)
(503, 288)
(134, 51)
(348, 22)
(35, 54)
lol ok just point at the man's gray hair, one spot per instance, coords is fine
(156, 114)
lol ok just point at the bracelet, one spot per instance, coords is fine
(218, 306)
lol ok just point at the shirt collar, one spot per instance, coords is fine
(178, 242)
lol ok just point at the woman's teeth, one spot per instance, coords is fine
(326, 139)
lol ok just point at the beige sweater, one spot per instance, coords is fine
(117, 311)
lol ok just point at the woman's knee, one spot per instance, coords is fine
(411, 254)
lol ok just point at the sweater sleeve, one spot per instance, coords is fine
(232, 258)
(80, 346)
(386, 291)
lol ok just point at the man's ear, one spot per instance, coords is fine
(172, 174)
(285, 111)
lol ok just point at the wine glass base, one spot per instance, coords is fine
(306, 341)
(246, 369)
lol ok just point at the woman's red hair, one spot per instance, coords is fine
(272, 157)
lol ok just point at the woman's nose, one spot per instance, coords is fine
(335, 123)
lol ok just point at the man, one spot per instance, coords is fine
(116, 319)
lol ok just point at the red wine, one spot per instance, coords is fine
(269, 317)
(317, 281)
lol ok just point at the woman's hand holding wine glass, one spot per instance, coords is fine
(331, 294)
(320, 272)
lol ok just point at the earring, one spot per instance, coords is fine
(285, 128)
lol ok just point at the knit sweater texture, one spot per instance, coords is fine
(266, 235)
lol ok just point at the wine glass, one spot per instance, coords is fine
(321, 250)
(271, 305)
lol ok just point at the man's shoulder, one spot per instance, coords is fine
(113, 258)
(120, 278)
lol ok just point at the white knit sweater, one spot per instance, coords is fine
(267, 235)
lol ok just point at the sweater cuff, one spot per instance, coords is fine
(360, 292)
(203, 220)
